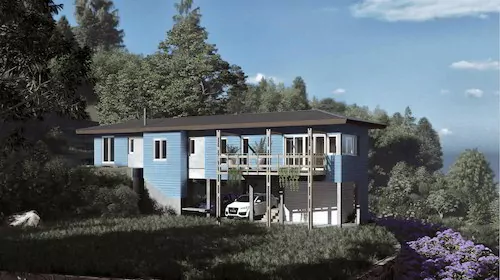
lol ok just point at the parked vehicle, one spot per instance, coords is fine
(240, 208)
(226, 199)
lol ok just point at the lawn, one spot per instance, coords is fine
(170, 247)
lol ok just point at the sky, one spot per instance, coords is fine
(440, 57)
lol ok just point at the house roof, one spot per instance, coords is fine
(254, 120)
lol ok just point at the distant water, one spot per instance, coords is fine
(493, 158)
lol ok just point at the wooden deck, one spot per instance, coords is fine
(260, 164)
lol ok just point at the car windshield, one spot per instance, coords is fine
(243, 198)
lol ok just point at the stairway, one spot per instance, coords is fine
(274, 216)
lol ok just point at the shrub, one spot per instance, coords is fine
(450, 256)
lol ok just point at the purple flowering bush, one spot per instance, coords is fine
(432, 252)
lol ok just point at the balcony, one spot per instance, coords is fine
(260, 164)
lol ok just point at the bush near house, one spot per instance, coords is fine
(180, 247)
(34, 179)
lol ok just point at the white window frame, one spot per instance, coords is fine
(161, 149)
(338, 143)
(131, 145)
(110, 160)
(304, 146)
(354, 151)
(244, 159)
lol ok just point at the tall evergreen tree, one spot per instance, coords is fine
(65, 28)
(192, 78)
(431, 153)
(301, 102)
(98, 24)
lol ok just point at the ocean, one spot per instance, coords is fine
(493, 158)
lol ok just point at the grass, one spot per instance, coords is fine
(193, 248)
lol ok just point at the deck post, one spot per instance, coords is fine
(218, 180)
(339, 204)
(251, 199)
(310, 179)
(268, 177)
(208, 202)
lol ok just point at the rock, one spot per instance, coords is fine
(26, 219)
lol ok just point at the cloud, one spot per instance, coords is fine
(476, 65)
(445, 132)
(474, 92)
(496, 92)
(259, 76)
(423, 10)
(339, 91)
(444, 91)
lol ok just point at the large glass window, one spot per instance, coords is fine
(350, 145)
(108, 149)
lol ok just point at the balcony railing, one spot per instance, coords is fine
(262, 162)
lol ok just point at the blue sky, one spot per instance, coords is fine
(440, 57)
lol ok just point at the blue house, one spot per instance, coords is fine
(182, 158)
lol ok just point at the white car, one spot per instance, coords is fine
(240, 208)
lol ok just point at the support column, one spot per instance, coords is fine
(339, 204)
(268, 177)
(218, 180)
(310, 179)
(207, 193)
(251, 199)
(281, 207)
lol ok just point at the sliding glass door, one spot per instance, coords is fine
(297, 146)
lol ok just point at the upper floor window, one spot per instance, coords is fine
(332, 145)
(160, 149)
(131, 146)
(350, 145)
(191, 146)
(223, 146)
(108, 149)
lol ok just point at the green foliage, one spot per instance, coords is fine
(41, 67)
(442, 202)
(234, 177)
(122, 86)
(471, 178)
(190, 78)
(289, 177)
(259, 147)
(32, 179)
(169, 247)
(97, 24)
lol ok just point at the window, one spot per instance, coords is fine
(332, 144)
(223, 146)
(349, 145)
(108, 149)
(191, 146)
(160, 149)
(245, 150)
(131, 146)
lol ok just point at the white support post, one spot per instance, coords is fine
(218, 180)
(268, 177)
(339, 204)
(310, 179)
(251, 199)
(207, 201)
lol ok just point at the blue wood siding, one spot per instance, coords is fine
(121, 151)
(168, 176)
(97, 151)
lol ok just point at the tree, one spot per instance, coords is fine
(40, 68)
(329, 105)
(431, 153)
(299, 96)
(65, 29)
(191, 78)
(98, 24)
(442, 202)
(122, 86)
(472, 179)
